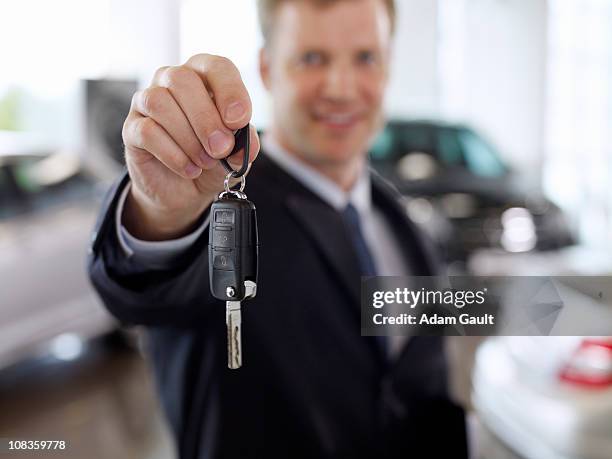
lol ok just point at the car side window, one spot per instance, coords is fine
(480, 157)
(414, 139)
(397, 140)
(449, 148)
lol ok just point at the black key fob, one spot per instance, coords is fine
(232, 246)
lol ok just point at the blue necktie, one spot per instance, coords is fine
(367, 266)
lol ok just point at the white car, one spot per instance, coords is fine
(547, 397)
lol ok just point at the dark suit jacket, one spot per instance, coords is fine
(310, 385)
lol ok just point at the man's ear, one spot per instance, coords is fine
(264, 67)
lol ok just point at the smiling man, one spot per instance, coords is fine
(311, 385)
(327, 67)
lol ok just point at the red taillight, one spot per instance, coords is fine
(591, 364)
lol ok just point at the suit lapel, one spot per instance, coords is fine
(417, 250)
(325, 227)
(320, 222)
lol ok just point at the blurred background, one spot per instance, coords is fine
(499, 138)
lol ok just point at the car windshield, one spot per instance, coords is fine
(478, 156)
(397, 140)
(448, 146)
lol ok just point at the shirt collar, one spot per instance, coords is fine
(360, 195)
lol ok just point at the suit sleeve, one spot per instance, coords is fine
(152, 253)
(175, 294)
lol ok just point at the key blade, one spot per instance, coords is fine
(233, 320)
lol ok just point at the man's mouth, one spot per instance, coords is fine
(337, 120)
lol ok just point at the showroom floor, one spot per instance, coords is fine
(103, 405)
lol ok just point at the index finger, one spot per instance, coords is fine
(227, 89)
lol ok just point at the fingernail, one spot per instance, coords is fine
(207, 161)
(192, 171)
(234, 112)
(219, 142)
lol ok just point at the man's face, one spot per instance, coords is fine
(326, 68)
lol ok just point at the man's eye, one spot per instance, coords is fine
(366, 57)
(312, 58)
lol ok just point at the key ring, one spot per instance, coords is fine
(226, 185)
(239, 192)
(242, 140)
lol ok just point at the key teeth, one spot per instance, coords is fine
(234, 347)
(234, 323)
(237, 350)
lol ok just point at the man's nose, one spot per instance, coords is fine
(340, 82)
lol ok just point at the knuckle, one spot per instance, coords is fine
(161, 70)
(158, 73)
(198, 59)
(125, 132)
(176, 76)
(221, 63)
(143, 131)
(153, 100)
(135, 98)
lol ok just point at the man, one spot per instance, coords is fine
(310, 385)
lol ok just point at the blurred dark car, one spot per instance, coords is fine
(47, 209)
(459, 189)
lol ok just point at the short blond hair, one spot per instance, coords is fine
(267, 8)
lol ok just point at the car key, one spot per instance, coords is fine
(233, 252)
